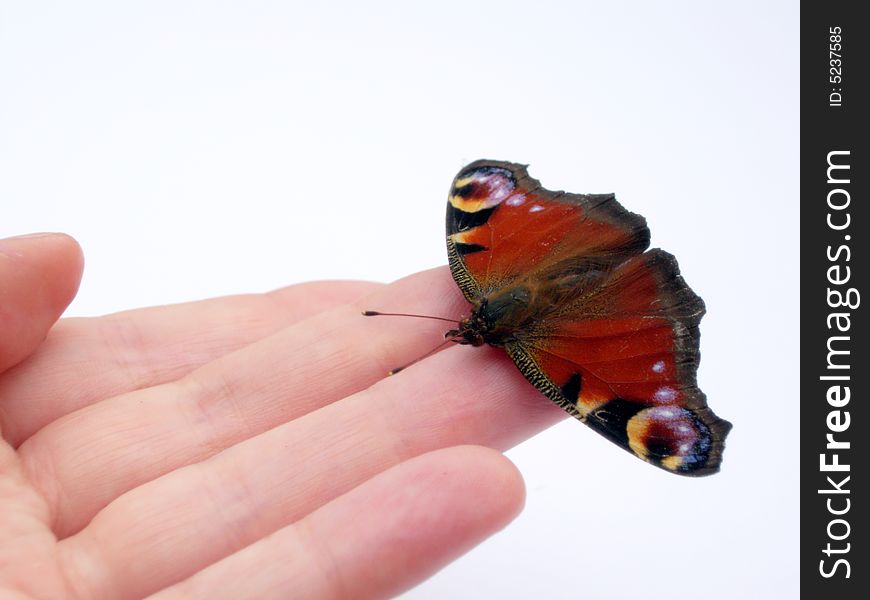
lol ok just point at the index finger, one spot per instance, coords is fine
(85, 360)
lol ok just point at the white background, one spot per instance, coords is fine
(205, 148)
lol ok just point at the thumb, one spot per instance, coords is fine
(39, 276)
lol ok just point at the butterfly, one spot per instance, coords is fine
(605, 328)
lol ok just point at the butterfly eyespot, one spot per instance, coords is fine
(482, 188)
(670, 436)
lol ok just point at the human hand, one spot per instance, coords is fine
(246, 446)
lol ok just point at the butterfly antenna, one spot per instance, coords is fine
(374, 313)
(427, 355)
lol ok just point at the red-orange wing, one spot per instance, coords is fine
(502, 226)
(623, 357)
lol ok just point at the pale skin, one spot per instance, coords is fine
(247, 446)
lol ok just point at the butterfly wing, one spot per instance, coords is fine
(606, 331)
(623, 358)
(502, 226)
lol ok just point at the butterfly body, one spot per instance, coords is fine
(497, 321)
(603, 327)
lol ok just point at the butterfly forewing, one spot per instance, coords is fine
(502, 225)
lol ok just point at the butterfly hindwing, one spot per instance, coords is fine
(623, 358)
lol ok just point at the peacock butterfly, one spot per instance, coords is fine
(605, 328)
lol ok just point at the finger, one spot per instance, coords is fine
(87, 360)
(378, 539)
(39, 276)
(277, 477)
(84, 460)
